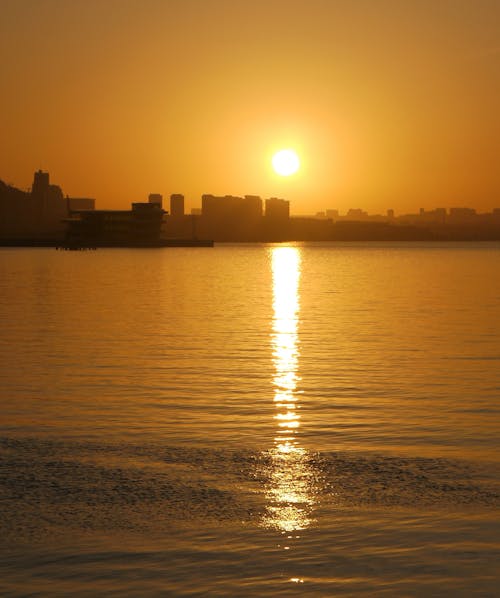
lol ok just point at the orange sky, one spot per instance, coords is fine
(389, 103)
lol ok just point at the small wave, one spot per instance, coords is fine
(49, 485)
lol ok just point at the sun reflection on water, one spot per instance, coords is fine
(289, 489)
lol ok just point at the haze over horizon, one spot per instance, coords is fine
(388, 104)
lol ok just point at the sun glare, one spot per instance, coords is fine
(286, 162)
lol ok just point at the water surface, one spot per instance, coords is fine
(250, 420)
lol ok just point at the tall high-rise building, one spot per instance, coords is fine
(277, 209)
(177, 204)
(231, 218)
(40, 183)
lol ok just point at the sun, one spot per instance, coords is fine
(285, 162)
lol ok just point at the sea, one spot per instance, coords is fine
(262, 420)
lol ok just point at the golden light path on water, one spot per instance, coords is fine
(289, 490)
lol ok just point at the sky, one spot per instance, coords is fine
(388, 103)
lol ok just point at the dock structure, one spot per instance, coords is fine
(73, 247)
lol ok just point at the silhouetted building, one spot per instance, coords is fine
(462, 214)
(178, 225)
(177, 205)
(249, 206)
(37, 215)
(437, 215)
(277, 210)
(156, 198)
(276, 220)
(138, 227)
(356, 214)
(230, 218)
(332, 214)
(40, 186)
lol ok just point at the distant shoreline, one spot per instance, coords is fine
(57, 244)
(61, 244)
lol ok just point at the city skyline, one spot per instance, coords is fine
(46, 215)
(195, 206)
(388, 106)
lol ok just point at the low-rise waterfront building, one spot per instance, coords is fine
(138, 227)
